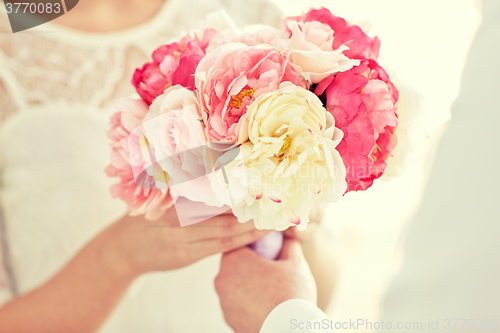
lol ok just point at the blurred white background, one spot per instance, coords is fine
(425, 42)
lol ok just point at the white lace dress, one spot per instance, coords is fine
(56, 86)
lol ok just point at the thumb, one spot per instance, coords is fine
(238, 255)
(291, 250)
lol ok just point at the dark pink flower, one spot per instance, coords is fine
(172, 64)
(360, 45)
(362, 102)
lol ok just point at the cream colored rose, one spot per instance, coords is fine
(311, 44)
(289, 164)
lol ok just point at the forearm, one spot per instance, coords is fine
(76, 300)
(319, 255)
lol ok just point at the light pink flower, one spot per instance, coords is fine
(360, 45)
(139, 193)
(229, 79)
(362, 102)
(311, 45)
(172, 64)
(317, 33)
(175, 132)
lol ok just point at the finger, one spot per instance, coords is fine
(227, 212)
(291, 250)
(237, 255)
(217, 245)
(232, 261)
(303, 236)
(317, 215)
(291, 232)
(219, 227)
(219, 221)
(294, 233)
(170, 218)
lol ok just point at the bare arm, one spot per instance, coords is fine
(79, 298)
(84, 293)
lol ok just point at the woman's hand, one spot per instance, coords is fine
(82, 295)
(145, 246)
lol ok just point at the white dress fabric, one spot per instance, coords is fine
(56, 87)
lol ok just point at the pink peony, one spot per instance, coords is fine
(128, 164)
(362, 102)
(360, 45)
(231, 77)
(172, 64)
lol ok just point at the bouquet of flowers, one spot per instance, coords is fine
(269, 123)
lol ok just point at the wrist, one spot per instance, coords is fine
(115, 252)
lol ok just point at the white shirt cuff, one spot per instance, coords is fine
(296, 316)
